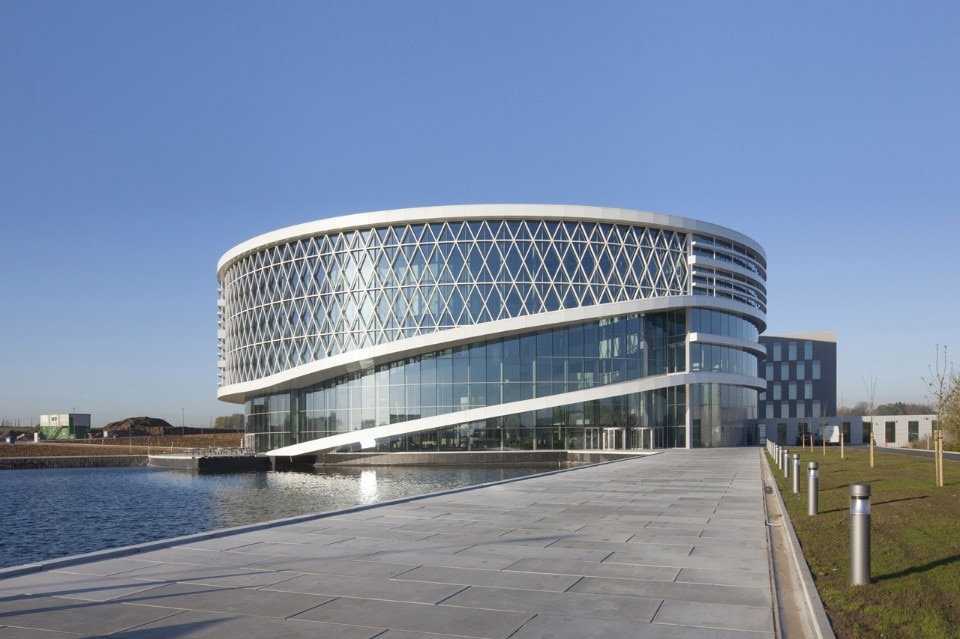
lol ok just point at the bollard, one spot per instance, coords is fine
(786, 463)
(796, 473)
(859, 534)
(813, 485)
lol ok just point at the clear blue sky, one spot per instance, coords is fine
(141, 140)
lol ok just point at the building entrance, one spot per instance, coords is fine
(608, 438)
(613, 439)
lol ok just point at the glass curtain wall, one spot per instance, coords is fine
(652, 419)
(524, 367)
(497, 371)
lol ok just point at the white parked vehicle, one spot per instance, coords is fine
(831, 434)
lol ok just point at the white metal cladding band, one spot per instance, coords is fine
(321, 370)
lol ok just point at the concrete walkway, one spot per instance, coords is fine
(670, 545)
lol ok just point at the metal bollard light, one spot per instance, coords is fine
(796, 473)
(786, 463)
(859, 534)
(813, 485)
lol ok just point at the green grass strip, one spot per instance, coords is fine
(915, 544)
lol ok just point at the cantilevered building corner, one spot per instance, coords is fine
(494, 327)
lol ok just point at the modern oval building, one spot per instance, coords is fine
(493, 327)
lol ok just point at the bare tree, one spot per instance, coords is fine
(872, 392)
(840, 426)
(940, 387)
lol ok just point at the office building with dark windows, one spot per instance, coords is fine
(494, 327)
(799, 403)
(801, 376)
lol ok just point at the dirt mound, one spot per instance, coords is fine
(139, 427)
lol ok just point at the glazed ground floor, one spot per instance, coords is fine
(684, 416)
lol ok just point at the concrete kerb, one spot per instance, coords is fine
(125, 551)
(777, 621)
(816, 614)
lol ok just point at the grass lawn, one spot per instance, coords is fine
(915, 543)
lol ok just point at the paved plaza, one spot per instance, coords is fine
(668, 545)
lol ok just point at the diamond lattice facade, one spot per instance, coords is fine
(493, 327)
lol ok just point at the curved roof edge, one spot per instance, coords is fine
(476, 212)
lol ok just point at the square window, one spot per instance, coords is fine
(913, 431)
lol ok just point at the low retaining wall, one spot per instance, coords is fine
(219, 463)
(550, 458)
(93, 461)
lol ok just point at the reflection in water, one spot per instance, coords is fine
(56, 512)
(368, 487)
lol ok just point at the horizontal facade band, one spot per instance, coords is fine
(345, 363)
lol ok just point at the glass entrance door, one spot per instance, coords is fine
(643, 437)
(591, 438)
(613, 439)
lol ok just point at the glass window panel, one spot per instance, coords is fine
(575, 334)
(561, 340)
(445, 397)
(510, 392)
(913, 431)
(460, 364)
(528, 347)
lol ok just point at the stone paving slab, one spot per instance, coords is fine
(669, 545)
